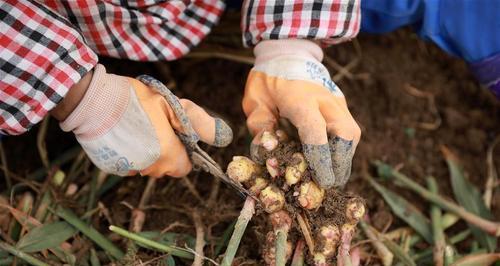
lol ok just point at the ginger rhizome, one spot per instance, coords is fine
(287, 193)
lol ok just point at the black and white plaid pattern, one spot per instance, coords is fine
(331, 21)
(41, 57)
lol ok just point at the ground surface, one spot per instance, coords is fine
(378, 96)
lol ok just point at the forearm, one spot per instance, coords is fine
(41, 59)
(72, 98)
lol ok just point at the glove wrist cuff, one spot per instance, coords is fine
(270, 49)
(101, 107)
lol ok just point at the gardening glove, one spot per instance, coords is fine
(289, 81)
(126, 128)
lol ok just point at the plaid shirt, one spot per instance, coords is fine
(47, 46)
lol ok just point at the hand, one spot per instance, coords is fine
(127, 128)
(289, 81)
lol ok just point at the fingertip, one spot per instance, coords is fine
(356, 133)
(320, 162)
(223, 133)
(342, 152)
(266, 139)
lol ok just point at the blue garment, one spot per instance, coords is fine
(469, 29)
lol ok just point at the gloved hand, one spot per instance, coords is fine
(127, 128)
(289, 81)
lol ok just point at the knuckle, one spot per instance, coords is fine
(356, 132)
(181, 171)
(186, 104)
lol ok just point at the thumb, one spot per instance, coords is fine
(259, 119)
(212, 130)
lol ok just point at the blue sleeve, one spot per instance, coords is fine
(381, 16)
(469, 29)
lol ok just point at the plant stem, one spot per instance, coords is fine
(437, 230)
(200, 239)
(488, 226)
(492, 174)
(298, 256)
(449, 255)
(214, 54)
(175, 251)
(452, 240)
(22, 255)
(245, 216)
(281, 236)
(343, 255)
(89, 231)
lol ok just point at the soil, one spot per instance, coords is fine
(378, 97)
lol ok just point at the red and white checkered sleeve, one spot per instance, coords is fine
(142, 30)
(41, 57)
(331, 21)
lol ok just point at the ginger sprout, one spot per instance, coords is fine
(355, 209)
(269, 140)
(294, 173)
(257, 185)
(310, 195)
(272, 167)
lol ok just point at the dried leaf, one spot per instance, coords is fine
(478, 259)
(21, 217)
(406, 211)
(394, 249)
(45, 237)
(470, 198)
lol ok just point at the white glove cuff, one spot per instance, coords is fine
(267, 50)
(101, 107)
